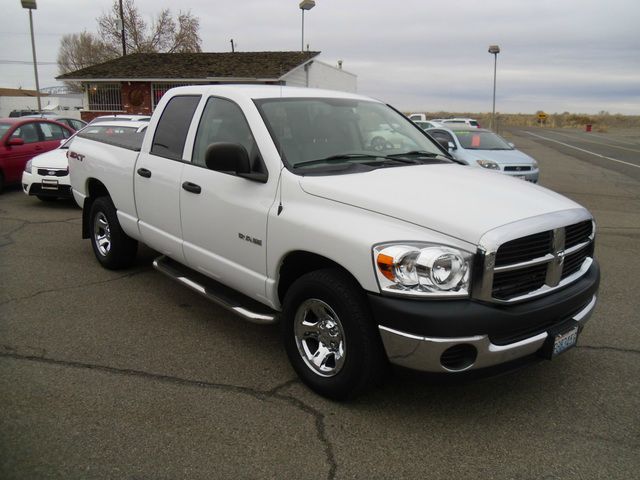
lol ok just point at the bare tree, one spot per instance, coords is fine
(80, 50)
(166, 34)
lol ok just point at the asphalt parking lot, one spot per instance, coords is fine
(128, 375)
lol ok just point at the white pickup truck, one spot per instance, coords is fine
(277, 204)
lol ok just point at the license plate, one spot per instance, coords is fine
(564, 341)
(49, 184)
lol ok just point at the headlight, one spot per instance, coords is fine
(534, 164)
(27, 167)
(490, 164)
(422, 270)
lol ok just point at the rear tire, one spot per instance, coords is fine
(113, 248)
(330, 338)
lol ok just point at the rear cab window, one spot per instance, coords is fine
(125, 137)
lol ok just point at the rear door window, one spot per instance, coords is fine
(51, 131)
(172, 129)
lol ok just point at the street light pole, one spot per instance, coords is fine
(31, 5)
(495, 50)
(305, 5)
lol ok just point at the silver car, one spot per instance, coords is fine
(484, 149)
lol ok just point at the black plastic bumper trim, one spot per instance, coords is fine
(459, 318)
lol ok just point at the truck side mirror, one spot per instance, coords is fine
(227, 157)
(451, 146)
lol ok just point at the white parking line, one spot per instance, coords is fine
(583, 150)
(597, 143)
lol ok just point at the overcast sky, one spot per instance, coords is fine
(419, 55)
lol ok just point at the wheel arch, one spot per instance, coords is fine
(300, 262)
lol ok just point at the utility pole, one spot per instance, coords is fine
(124, 44)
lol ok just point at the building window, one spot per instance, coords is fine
(105, 96)
(159, 89)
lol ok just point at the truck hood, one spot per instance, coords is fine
(455, 200)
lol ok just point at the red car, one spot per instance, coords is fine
(21, 139)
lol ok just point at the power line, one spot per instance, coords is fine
(23, 62)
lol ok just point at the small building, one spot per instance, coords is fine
(23, 100)
(135, 83)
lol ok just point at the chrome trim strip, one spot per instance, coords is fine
(554, 269)
(583, 315)
(530, 263)
(423, 353)
(577, 247)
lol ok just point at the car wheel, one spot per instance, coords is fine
(113, 248)
(330, 339)
(46, 199)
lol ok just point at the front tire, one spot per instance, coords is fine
(330, 339)
(113, 248)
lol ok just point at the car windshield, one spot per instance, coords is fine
(474, 140)
(316, 132)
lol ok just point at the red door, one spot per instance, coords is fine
(35, 137)
(15, 157)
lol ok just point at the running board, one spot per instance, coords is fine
(240, 304)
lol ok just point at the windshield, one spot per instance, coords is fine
(315, 132)
(474, 140)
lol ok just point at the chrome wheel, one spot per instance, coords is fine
(102, 234)
(320, 337)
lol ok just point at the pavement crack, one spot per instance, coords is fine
(274, 391)
(320, 429)
(72, 287)
(609, 348)
(22, 224)
(261, 395)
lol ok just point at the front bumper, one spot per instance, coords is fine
(529, 176)
(45, 186)
(463, 335)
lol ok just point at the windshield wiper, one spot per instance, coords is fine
(414, 153)
(373, 159)
(334, 159)
(420, 153)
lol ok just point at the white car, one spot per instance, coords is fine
(120, 118)
(483, 148)
(456, 122)
(46, 176)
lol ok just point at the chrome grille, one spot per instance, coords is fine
(514, 283)
(52, 172)
(523, 249)
(534, 263)
(519, 168)
(578, 233)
